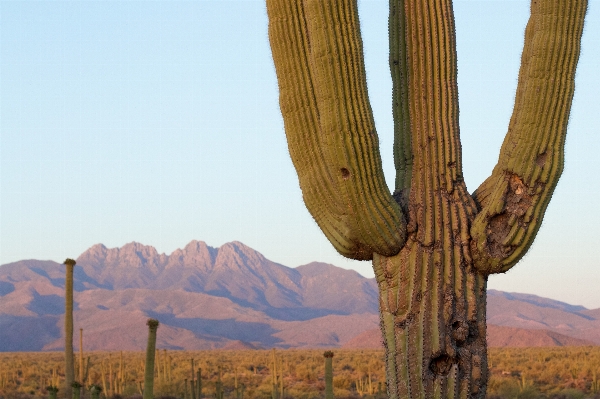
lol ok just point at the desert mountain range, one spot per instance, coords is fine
(233, 297)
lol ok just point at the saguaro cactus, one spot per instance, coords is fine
(150, 353)
(433, 245)
(328, 374)
(76, 389)
(52, 391)
(95, 391)
(69, 357)
(81, 371)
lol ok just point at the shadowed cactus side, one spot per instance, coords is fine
(150, 355)
(432, 243)
(328, 374)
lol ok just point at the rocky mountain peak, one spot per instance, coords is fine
(94, 253)
(239, 255)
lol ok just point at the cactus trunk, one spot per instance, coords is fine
(69, 357)
(434, 329)
(150, 354)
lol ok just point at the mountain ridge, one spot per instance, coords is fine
(230, 296)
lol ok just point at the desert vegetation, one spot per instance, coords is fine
(564, 372)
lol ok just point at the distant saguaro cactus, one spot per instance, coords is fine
(150, 353)
(76, 389)
(69, 358)
(199, 382)
(433, 245)
(328, 374)
(95, 391)
(52, 391)
(219, 386)
(81, 370)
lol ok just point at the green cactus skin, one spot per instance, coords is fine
(69, 356)
(328, 374)
(435, 245)
(150, 353)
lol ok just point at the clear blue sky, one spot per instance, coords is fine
(158, 122)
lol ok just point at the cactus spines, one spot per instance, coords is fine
(433, 245)
(69, 357)
(150, 350)
(328, 374)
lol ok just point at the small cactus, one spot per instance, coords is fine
(219, 386)
(52, 391)
(595, 386)
(150, 353)
(199, 383)
(95, 391)
(76, 389)
(328, 374)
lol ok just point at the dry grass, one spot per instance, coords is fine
(553, 373)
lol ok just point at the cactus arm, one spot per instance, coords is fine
(514, 198)
(329, 125)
